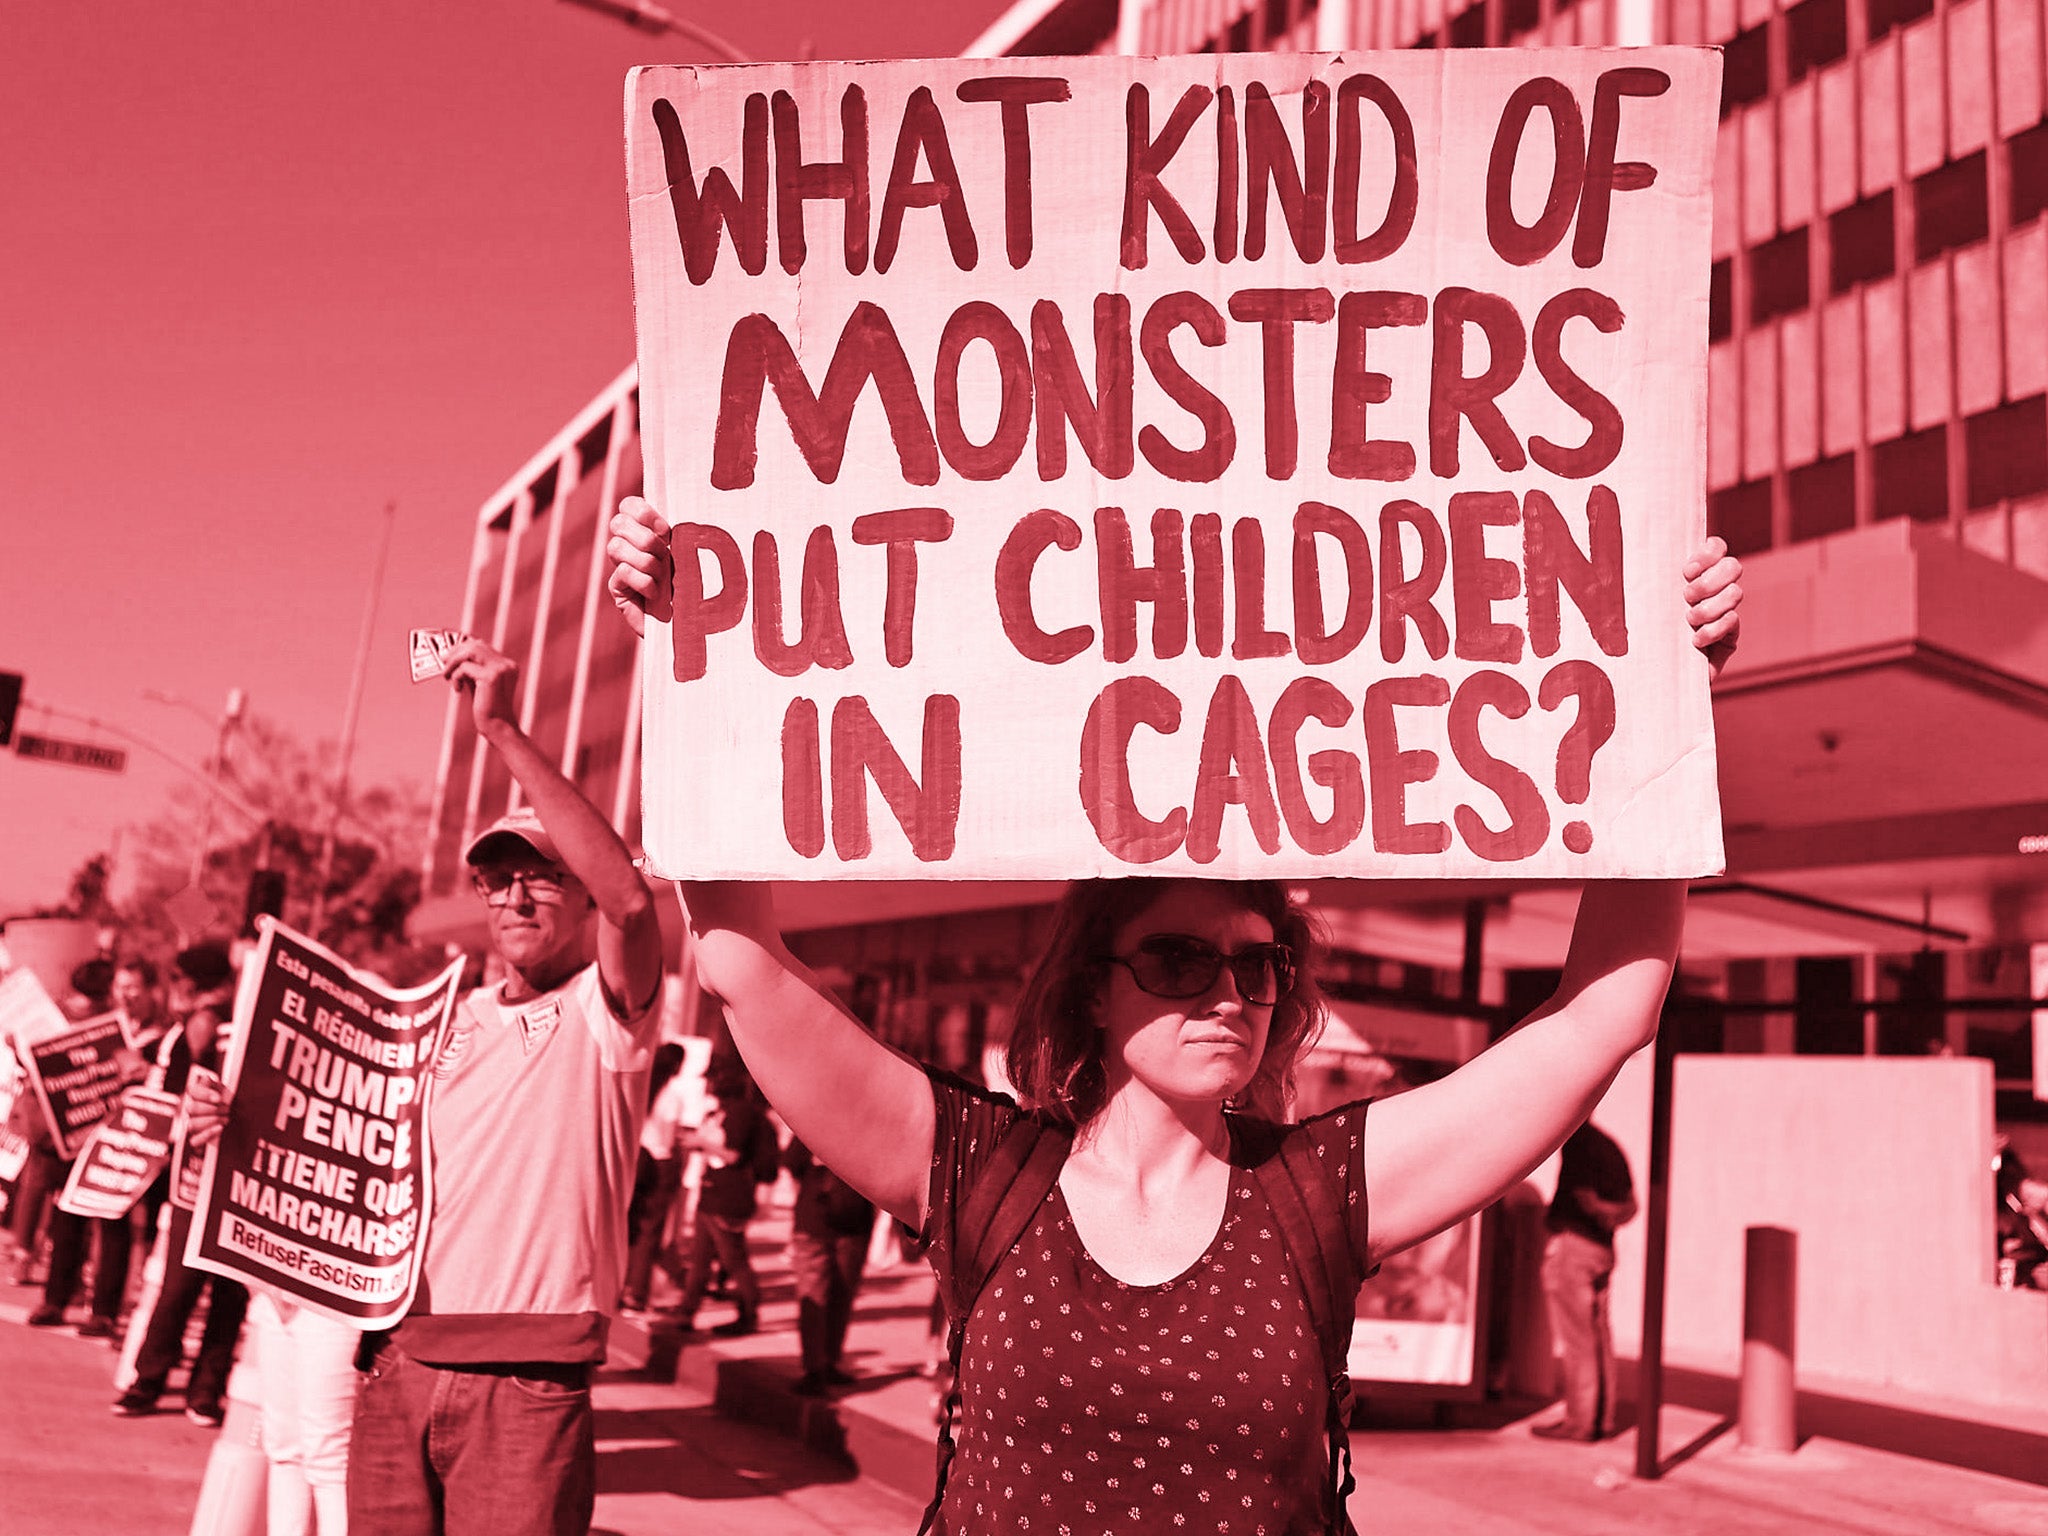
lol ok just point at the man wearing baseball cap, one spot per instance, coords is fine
(475, 1410)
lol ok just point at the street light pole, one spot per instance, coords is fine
(349, 714)
(230, 717)
(649, 17)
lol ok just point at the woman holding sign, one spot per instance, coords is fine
(1150, 1274)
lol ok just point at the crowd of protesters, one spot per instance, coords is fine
(559, 1131)
(1153, 1046)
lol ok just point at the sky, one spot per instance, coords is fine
(266, 269)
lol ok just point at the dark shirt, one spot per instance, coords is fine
(728, 1185)
(1094, 1405)
(1591, 1162)
(826, 1205)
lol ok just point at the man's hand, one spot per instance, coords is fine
(1713, 602)
(490, 678)
(206, 1109)
(642, 581)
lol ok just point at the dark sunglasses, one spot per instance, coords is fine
(495, 883)
(1179, 965)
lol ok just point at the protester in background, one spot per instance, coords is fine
(92, 989)
(475, 1412)
(305, 1367)
(656, 1177)
(2021, 1220)
(828, 1248)
(134, 993)
(34, 1205)
(1153, 1051)
(203, 990)
(740, 1153)
(1594, 1197)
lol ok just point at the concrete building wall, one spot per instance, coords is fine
(1883, 1169)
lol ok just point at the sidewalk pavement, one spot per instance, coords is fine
(1478, 1472)
(707, 1437)
(668, 1464)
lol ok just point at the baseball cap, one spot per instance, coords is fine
(522, 826)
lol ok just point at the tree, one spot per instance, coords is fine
(374, 883)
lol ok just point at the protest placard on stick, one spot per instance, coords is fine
(320, 1185)
(123, 1155)
(77, 1077)
(1261, 464)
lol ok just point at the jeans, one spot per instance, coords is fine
(471, 1451)
(68, 1237)
(163, 1344)
(723, 1238)
(1575, 1274)
(827, 1269)
(306, 1363)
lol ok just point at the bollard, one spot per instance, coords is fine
(234, 1493)
(1766, 1419)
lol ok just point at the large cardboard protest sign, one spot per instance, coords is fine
(123, 1155)
(1249, 464)
(320, 1183)
(77, 1076)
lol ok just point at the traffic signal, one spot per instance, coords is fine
(265, 898)
(10, 702)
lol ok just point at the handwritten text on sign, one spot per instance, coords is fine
(1255, 464)
(320, 1184)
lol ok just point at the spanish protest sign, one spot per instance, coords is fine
(319, 1185)
(77, 1076)
(123, 1155)
(1269, 464)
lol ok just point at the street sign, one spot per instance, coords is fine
(10, 701)
(76, 754)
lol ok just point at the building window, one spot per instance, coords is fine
(2026, 161)
(1816, 33)
(1860, 245)
(1885, 15)
(1778, 277)
(1823, 497)
(1909, 476)
(1721, 300)
(1950, 207)
(2008, 451)
(1746, 68)
(1468, 27)
(1741, 515)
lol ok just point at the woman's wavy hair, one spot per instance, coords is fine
(1055, 1057)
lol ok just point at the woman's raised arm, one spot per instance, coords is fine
(864, 1110)
(1438, 1153)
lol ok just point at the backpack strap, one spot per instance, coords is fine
(1007, 1193)
(1305, 1205)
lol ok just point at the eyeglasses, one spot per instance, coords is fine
(495, 885)
(1179, 965)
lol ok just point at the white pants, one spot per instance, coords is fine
(307, 1365)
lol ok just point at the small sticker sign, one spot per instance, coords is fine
(430, 648)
